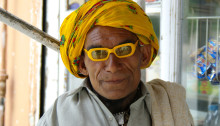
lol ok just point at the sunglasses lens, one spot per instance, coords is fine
(123, 51)
(99, 54)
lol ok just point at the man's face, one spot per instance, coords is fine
(114, 78)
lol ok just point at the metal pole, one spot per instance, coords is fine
(29, 30)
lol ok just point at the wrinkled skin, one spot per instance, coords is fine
(115, 78)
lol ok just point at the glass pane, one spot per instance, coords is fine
(153, 8)
(74, 4)
(152, 1)
(200, 56)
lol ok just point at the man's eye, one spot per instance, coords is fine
(123, 50)
(98, 54)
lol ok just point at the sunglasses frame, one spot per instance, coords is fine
(133, 48)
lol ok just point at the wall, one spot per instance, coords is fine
(23, 62)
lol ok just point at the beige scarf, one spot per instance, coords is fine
(168, 104)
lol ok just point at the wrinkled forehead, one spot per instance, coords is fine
(105, 35)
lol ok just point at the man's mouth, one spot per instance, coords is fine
(114, 81)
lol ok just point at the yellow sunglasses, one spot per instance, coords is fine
(121, 51)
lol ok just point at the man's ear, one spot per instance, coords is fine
(145, 54)
(82, 66)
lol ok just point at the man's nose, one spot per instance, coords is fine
(113, 63)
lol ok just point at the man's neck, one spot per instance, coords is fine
(120, 105)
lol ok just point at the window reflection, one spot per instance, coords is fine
(74, 4)
(200, 28)
(204, 7)
(152, 1)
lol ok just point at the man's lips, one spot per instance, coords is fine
(114, 81)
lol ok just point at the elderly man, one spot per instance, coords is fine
(108, 42)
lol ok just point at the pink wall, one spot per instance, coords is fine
(23, 66)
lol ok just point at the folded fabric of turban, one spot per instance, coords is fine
(124, 14)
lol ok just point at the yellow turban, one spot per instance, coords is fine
(114, 13)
